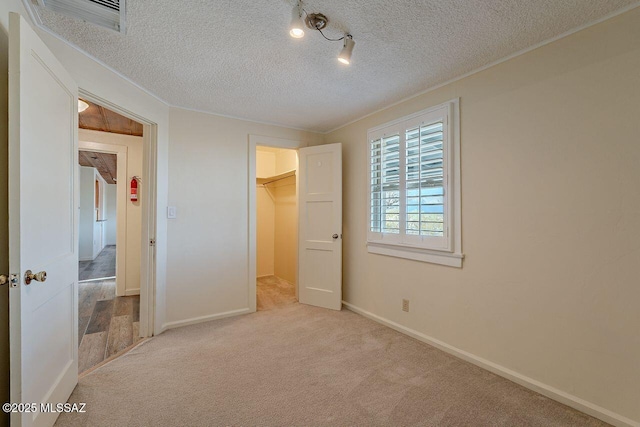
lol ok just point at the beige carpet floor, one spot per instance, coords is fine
(273, 292)
(296, 365)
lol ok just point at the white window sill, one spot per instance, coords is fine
(417, 254)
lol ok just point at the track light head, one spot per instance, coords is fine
(296, 29)
(318, 21)
(347, 50)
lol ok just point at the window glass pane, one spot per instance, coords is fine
(424, 180)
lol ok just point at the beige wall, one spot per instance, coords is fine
(265, 232)
(275, 161)
(207, 263)
(286, 219)
(265, 162)
(133, 210)
(265, 213)
(550, 219)
(286, 228)
(286, 160)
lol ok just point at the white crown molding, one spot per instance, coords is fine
(493, 64)
(258, 122)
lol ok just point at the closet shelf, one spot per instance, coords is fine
(275, 178)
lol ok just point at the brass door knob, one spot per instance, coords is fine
(38, 277)
(4, 279)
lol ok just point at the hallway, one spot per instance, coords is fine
(103, 267)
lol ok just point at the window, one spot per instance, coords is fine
(414, 187)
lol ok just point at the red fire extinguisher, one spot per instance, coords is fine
(134, 189)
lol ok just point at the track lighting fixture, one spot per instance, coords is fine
(82, 105)
(347, 49)
(295, 29)
(318, 21)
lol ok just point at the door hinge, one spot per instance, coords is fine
(152, 242)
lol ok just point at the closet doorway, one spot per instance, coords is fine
(276, 227)
(315, 233)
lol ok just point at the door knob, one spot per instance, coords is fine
(335, 236)
(4, 279)
(38, 277)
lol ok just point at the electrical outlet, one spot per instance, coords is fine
(405, 305)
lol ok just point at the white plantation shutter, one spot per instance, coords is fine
(375, 189)
(410, 199)
(425, 180)
(385, 185)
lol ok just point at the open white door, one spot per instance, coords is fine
(43, 215)
(320, 218)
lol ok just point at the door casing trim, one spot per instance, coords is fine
(148, 299)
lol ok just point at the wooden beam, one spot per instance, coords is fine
(102, 119)
(106, 164)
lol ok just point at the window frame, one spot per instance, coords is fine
(447, 249)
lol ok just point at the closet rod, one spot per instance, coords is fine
(269, 180)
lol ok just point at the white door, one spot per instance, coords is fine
(320, 216)
(43, 218)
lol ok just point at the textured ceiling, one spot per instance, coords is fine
(235, 57)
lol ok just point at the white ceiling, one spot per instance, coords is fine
(235, 57)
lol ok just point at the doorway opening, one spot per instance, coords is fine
(276, 227)
(260, 187)
(110, 236)
(98, 218)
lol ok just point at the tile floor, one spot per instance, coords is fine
(106, 324)
(103, 266)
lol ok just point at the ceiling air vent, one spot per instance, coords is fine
(106, 13)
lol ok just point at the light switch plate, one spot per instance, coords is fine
(172, 212)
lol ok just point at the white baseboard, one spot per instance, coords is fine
(86, 259)
(194, 320)
(544, 389)
(129, 292)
